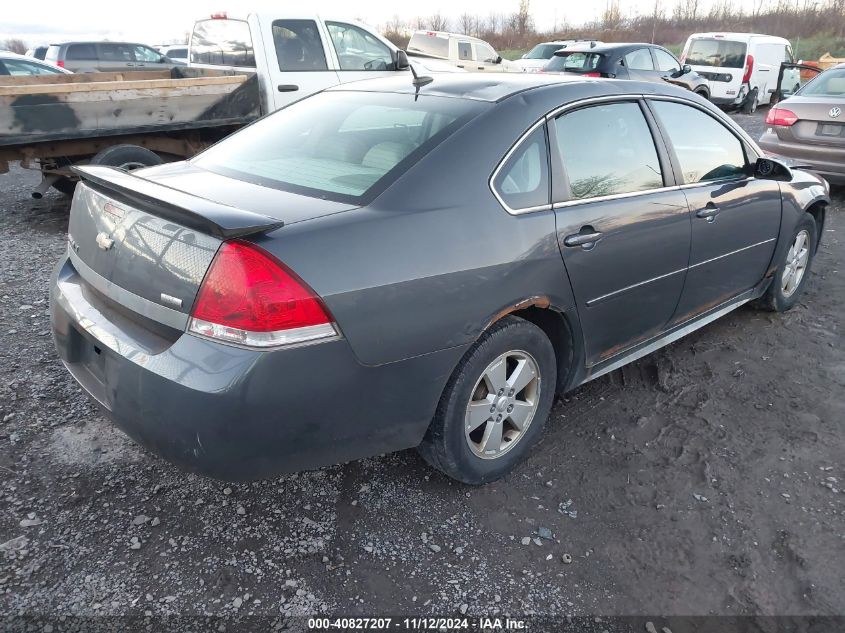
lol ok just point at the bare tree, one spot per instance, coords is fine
(468, 24)
(15, 45)
(522, 21)
(438, 22)
(611, 17)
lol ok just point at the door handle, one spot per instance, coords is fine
(709, 212)
(288, 87)
(586, 238)
(459, 65)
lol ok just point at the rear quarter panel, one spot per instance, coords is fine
(435, 259)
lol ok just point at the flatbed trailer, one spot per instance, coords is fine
(124, 119)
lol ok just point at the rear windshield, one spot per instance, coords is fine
(574, 62)
(429, 45)
(343, 146)
(543, 51)
(721, 53)
(222, 43)
(829, 84)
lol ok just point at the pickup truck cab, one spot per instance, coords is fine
(468, 53)
(293, 56)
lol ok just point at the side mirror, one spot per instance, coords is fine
(772, 169)
(498, 60)
(401, 60)
(524, 56)
(163, 59)
(686, 68)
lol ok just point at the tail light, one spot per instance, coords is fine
(250, 298)
(781, 116)
(60, 63)
(220, 15)
(749, 67)
(591, 74)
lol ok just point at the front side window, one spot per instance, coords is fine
(81, 52)
(705, 148)
(344, 146)
(298, 45)
(665, 61)
(115, 53)
(357, 49)
(485, 53)
(523, 181)
(607, 150)
(146, 54)
(222, 43)
(639, 59)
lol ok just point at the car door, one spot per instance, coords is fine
(735, 217)
(358, 53)
(297, 61)
(115, 57)
(623, 227)
(486, 59)
(147, 58)
(640, 65)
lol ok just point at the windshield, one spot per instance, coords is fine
(721, 53)
(828, 84)
(573, 62)
(543, 51)
(343, 146)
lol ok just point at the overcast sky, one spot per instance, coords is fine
(160, 21)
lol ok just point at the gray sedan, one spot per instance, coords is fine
(390, 264)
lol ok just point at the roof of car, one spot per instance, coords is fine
(495, 87)
(605, 48)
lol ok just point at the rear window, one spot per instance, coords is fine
(720, 53)
(222, 43)
(429, 45)
(343, 146)
(574, 62)
(829, 84)
(543, 51)
(81, 51)
(177, 52)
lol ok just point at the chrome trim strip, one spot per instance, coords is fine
(710, 183)
(665, 339)
(577, 104)
(494, 175)
(739, 250)
(592, 302)
(136, 303)
(612, 196)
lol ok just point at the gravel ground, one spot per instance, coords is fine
(705, 479)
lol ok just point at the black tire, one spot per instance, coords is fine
(65, 185)
(749, 106)
(446, 446)
(776, 299)
(703, 93)
(127, 157)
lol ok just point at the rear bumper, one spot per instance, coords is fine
(825, 161)
(240, 414)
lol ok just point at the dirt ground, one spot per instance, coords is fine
(707, 478)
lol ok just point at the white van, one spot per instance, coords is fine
(742, 68)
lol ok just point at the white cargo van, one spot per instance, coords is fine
(742, 68)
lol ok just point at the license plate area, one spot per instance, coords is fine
(830, 129)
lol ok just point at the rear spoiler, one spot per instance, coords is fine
(193, 211)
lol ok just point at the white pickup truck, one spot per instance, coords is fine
(239, 69)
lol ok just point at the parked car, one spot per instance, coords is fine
(640, 62)
(175, 52)
(534, 60)
(15, 65)
(38, 52)
(809, 126)
(106, 57)
(742, 68)
(298, 56)
(469, 53)
(302, 293)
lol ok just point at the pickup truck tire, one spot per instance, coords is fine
(127, 157)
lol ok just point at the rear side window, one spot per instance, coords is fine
(719, 53)
(830, 83)
(523, 181)
(574, 62)
(222, 43)
(298, 45)
(639, 59)
(607, 150)
(344, 146)
(81, 51)
(705, 148)
(116, 53)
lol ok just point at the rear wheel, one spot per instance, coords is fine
(749, 106)
(495, 404)
(793, 272)
(127, 157)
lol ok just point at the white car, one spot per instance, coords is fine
(534, 60)
(742, 68)
(174, 52)
(21, 65)
(467, 53)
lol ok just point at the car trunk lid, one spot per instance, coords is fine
(821, 121)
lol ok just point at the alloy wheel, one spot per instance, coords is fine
(502, 405)
(796, 264)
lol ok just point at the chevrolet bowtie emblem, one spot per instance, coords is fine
(104, 242)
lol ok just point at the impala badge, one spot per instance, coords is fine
(176, 302)
(104, 242)
(835, 111)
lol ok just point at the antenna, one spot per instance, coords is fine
(420, 81)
